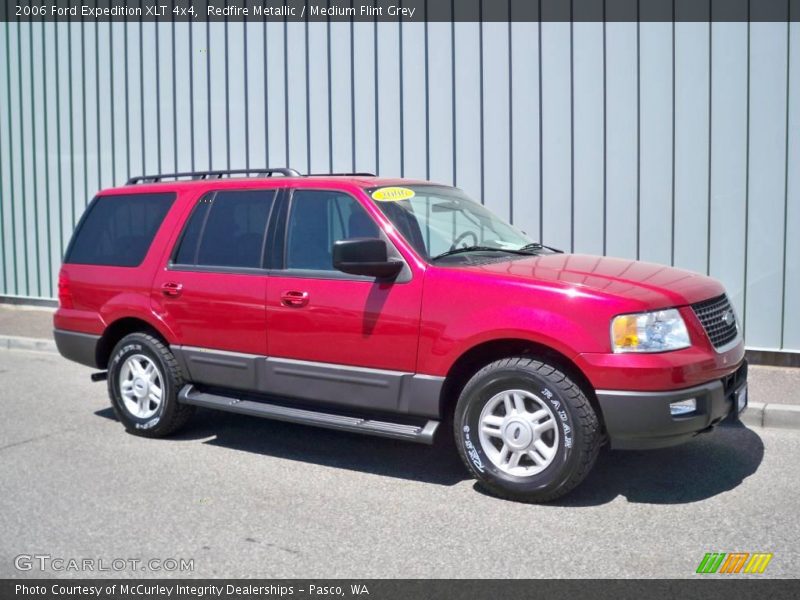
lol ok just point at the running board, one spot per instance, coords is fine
(422, 434)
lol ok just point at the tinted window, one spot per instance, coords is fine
(118, 230)
(226, 230)
(187, 250)
(317, 219)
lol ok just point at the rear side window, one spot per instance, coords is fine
(226, 229)
(118, 230)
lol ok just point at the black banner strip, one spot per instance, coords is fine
(700, 587)
(407, 11)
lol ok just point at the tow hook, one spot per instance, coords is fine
(101, 376)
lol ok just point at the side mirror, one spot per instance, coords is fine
(365, 256)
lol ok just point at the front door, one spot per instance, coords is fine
(336, 337)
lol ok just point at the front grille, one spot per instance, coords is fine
(717, 317)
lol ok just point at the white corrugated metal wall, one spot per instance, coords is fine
(672, 142)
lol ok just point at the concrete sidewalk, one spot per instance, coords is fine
(26, 321)
(774, 392)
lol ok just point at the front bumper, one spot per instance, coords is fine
(639, 420)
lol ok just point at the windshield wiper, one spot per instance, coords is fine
(540, 246)
(478, 249)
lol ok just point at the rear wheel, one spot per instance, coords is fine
(525, 430)
(143, 383)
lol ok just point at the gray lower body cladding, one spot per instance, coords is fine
(344, 386)
(79, 347)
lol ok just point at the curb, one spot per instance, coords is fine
(11, 342)
(758, 414)
(779, 416)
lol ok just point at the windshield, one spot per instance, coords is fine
(440, 221)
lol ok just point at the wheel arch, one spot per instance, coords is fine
(480, 355)
(117, 330)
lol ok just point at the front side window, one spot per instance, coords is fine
(117, 230)
(440, 221)
(226, 229)
(317, 219)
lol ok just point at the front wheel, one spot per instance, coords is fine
(525, 430)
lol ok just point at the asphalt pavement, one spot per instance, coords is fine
(244, 497)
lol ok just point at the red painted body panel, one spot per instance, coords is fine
(562, 301)
(346, 322)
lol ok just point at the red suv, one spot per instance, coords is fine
(389, 307)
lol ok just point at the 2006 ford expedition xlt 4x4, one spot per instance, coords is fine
(390, 307)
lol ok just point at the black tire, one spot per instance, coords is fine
(170, 415)
(575, 439)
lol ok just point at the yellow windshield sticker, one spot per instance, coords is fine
(392, 194)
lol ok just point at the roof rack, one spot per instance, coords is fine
(212, 175)
(355, 174)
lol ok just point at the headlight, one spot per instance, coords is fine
(656, 331)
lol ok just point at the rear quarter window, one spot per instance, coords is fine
(117, 230)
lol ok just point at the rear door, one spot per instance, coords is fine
(335, 337)
(213, 290)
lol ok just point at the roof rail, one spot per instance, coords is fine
(212, 175)
(355, 174)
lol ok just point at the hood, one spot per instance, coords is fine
(657, 286)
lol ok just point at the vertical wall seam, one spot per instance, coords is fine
(246, 100)
(22, 160)
(71, 123)
(286, 89)
(605, 138)
(266, 95)
(208, 94)
(541, 125)
(352, 92)
(481, 102)
(174, 96)
(46, 109)
(377, 93)
(157, 35)
(571, 127)
(85, 118)
(97, 104)
(710, 130)
(226, 52)
(786, 167)
(510, 116)
(638, 132)
(453, 107)
(12, 198)
(127, 107)
(34, 165)
(747, 182)
(672, 166)
(330, 93)
(112, 100)
(2, 207)
(142, 140)
(191, 93)
(58, 142)
(308, 95)
(402, 98)
(427, 102)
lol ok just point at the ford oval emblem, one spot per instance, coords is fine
(728, 317)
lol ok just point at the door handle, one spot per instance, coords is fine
(294, 299)
(172, 290)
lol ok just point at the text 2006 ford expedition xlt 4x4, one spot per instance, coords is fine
(390, 307)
